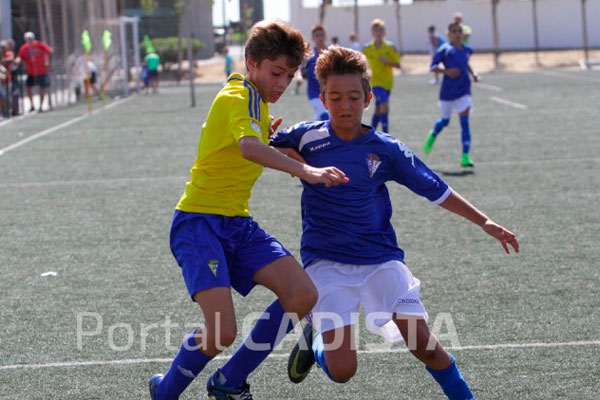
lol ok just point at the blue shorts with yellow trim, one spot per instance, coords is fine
(218, 251)
(381, 94)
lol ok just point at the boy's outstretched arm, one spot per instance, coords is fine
(254, 150)
(459, 205)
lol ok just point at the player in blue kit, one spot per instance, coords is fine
(455, 92)
(319, 36)
(349, 247)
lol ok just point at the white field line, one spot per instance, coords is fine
(488, 87)
(508, 102)
(569, 76)
(18, 185)
(59, 126)
(285, 355)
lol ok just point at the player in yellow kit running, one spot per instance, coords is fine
(382, 57)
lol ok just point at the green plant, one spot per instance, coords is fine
(166, 48)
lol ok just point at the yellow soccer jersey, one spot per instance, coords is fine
(382, 73)
(221, 179)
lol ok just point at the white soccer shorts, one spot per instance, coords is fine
(382, 289)
(459, 105)
(318, 108)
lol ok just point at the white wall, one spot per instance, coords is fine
(559, 22)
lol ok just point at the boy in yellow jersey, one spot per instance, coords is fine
(213, 238)
(382, 57)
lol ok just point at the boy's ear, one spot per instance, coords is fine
(323, 100)
(250, 63)
(368, 100)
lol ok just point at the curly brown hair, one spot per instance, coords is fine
(271, 39)
(337, 60)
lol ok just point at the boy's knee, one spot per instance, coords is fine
(342, 371)
(225, 336)
(301, 300)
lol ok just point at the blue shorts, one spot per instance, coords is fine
(381, 95)
(218, 251)
(42, 81)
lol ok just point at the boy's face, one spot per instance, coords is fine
(344, 98)
(319, 38)
(378, 32)
(455, 35)
(271, 77)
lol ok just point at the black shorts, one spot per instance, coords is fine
(153, 73)
(93, 78)
(42, 81)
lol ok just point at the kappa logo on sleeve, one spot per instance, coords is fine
(407, 152)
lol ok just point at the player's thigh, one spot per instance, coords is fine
(199, 252)
(338, 286)
(390, 288)
(463, 105)
(340, 352)
(287, 279)
(446, 108)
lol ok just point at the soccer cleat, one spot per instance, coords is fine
(153, 384)
(466, 161)
(429, 143)
(301, 358)
(216, 388)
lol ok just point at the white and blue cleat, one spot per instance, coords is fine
(216, 388)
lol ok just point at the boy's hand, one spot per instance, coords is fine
(501, 234)
(452, 72)
(274, 125)
(329, 176)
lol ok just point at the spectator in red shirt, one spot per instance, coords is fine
(36, 54)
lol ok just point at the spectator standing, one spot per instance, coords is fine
(36, 55)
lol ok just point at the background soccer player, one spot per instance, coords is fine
(382, 56)
(455, 92)
(319, 36)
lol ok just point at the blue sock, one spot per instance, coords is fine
(375, 121)
(187, 364)
(439, 125)
(465, 133)
(384, 122)
(452, 382)
(265, 334)
(319, 350)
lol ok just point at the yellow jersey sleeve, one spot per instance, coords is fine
(245, 113)
(393, 54)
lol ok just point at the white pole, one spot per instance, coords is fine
(136, 53)
(124, 57)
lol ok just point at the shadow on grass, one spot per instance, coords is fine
(462, 172)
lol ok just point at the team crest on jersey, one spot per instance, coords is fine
(213, 265)
(373, 162)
